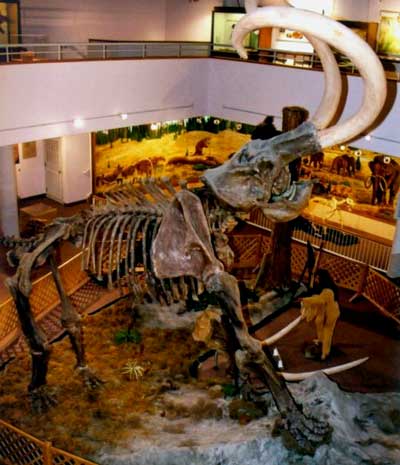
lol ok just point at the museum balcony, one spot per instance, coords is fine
(40, 51)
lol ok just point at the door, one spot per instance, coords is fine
(52, 154)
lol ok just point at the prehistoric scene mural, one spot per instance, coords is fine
(349, 183)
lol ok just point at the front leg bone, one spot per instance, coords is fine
(307, 433)
(71, 321)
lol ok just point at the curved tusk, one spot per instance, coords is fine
(280, 334)
(341, 38)
(333, 82)
(327, 371)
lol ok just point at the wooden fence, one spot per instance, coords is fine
(349, 274)
(44, 298)
(20, 448)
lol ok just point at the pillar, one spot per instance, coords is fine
(394, 262)
(9, 224)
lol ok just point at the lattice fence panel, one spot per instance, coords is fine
(8, 318)
(383, 293)
(298, 259)
(72, 274)
(44, 295)
(63, 458)
(246, 249)
(19, 449)
(344, 272)
(265, 245)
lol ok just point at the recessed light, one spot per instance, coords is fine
(124, 116)
(368, 137)
(79, 123)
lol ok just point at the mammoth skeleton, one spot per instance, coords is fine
(172, 232)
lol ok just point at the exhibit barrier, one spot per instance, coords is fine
(346, 273)
(44, 298)
(39, 52)
(343, 242)
(20, 448)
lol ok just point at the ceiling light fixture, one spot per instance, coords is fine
(124, 116)
(78, 123)
(368, 137)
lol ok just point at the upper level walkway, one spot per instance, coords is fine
(109, 50)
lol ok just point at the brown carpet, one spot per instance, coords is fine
(360, 332)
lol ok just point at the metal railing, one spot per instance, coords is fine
(13, 53)
(106, 50)
(343, 243)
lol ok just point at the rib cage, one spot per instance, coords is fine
(118, 237)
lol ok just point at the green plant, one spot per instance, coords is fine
(133, 369)
(128, 335)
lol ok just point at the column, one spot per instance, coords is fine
(9, 225)
(394, 262)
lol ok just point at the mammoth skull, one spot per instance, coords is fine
(257, 175)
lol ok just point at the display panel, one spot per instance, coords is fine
(388, 42)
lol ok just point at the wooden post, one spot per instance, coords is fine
(47, 453)
(279, 272)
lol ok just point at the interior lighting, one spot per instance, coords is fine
(368, 137)
(154, 126)
(342, 147)
(124, 116)
(78, 123)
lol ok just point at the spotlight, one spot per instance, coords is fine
(368, 137)
(123, 116)
(78, 123)
(342, 147)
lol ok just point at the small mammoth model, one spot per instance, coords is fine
(324, 311)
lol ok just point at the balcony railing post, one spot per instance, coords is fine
(144, 51)
(59, 52)
(7, 54)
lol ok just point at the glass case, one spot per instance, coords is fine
(224, 20)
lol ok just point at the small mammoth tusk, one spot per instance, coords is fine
(328, 371)
(272, 339)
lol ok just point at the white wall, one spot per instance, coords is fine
(79, 20)
(378, 5)
(40, 101)
(76, 167)
(189, 20)
(247, 92)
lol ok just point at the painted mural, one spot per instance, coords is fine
(349, 183)
(181, 149)
(348, 179)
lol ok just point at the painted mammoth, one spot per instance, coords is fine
(344, 164)
(384, 179)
